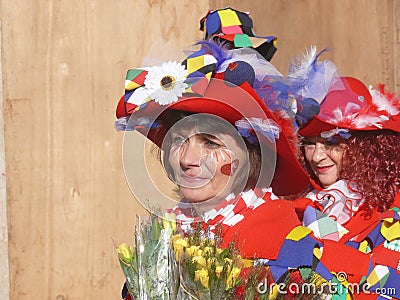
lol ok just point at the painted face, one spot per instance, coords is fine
(325, 158)
(205, 166)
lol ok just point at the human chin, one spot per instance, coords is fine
(197, 195)
(327, 175)
(210, 191)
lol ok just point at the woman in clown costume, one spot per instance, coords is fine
(351, 150)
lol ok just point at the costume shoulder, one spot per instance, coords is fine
(263, 229)
(301, 204)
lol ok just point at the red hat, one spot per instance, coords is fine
(350, 106)
(237, 103)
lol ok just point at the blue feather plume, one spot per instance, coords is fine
(216, 49)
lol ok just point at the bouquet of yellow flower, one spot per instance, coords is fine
(206, 271)
(168, 265)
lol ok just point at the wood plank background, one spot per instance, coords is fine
(64, 64)
(63, 68)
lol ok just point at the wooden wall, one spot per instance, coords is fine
(64, 65)
(63, 68)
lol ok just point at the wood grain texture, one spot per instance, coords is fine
(363, 35)
(64, 64)
(4, 267)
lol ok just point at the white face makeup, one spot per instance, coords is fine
(325, 158)
(205, 166)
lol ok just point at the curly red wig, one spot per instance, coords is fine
(372, 160)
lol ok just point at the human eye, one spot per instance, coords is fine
(308, 143)
(178, 140)
(212, 143)
(331, 143)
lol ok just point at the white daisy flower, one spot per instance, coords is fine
(165, 83)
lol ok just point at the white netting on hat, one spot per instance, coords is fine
(260, 65)
(316, 77)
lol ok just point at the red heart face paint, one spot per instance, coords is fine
(229, 169)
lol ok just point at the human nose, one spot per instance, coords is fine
(319, 152)
(190, 155)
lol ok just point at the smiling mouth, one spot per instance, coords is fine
(324, 169)
(192, 181)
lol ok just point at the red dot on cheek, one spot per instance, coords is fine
(226, 169)
(229, 169)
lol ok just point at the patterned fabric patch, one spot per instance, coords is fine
(364, 247)
(323, 226)
(391, 230)
(393, 245)
(298, 233)
(379, 275)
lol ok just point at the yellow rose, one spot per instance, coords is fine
(125, 253)
(200, 260)
(207, 250)
(176, 237)
(180, 242)
(202, 276)
(192, 250)
(218, 270)
(178, 245)
(233, 275)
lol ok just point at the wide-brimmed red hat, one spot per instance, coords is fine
(350, 106)
(214, 93)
